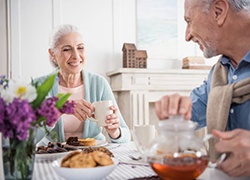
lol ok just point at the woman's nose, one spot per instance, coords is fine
(75, 54)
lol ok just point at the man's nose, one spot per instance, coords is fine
(188, 35)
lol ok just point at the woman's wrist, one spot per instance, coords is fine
(116, 134)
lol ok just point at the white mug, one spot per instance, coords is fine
(145, 134)
(102, 110)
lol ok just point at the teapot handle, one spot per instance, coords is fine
(222, 157)
(207, 137)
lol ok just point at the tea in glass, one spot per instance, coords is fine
(182, 167)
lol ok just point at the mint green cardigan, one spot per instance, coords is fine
(96, 88)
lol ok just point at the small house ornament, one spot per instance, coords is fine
(133, 58)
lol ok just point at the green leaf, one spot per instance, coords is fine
(43, 90)
(62, 98)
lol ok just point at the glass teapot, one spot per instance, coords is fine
(176, 153)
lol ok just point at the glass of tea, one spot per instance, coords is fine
(176, 153)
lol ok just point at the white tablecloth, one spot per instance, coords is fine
(125, 170)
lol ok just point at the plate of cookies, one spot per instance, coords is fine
(85, 142)
(85, 165)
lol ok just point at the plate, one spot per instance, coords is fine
(95, 173)
(51, 156)
(54, 156)
(98, 143)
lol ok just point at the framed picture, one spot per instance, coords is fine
(157, 28)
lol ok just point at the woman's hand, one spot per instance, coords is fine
(114, 121)
(83, 109)
(236, 144)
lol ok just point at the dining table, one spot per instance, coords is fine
(127, 169)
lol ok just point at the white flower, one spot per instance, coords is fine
(19, 90)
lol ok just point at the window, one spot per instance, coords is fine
(157, 28)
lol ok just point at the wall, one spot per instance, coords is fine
(3, 39)
(105, 24)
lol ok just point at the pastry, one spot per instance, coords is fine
(72, 141)
(87, 142)
(53, 147)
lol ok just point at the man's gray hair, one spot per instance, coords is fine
(236, 5)
(239, 5)
(58, 32)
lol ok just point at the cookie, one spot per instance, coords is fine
(66, 160)
(88, 150)
(102, 158)
(82, 161)
(91, 157)
(105, 150)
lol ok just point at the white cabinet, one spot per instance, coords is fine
(136, 90)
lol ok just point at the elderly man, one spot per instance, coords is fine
(222, 103)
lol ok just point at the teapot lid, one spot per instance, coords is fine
(177, 124)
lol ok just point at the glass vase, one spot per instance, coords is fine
(18, 157)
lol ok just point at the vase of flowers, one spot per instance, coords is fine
(23, 109)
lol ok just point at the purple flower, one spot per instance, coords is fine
(68, 108)
(2, 108)
(49, 111)
(18, 116)
(3, 82)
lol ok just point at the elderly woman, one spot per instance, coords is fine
(67, 53)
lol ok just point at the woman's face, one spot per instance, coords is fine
(70, 53)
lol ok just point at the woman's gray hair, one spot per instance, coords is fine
(236, 5)
(57, 33)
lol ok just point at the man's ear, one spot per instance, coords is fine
(221, 8)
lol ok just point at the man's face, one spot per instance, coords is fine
(200, 28)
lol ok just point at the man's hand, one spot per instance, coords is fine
(237, 144)
(174, 105)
